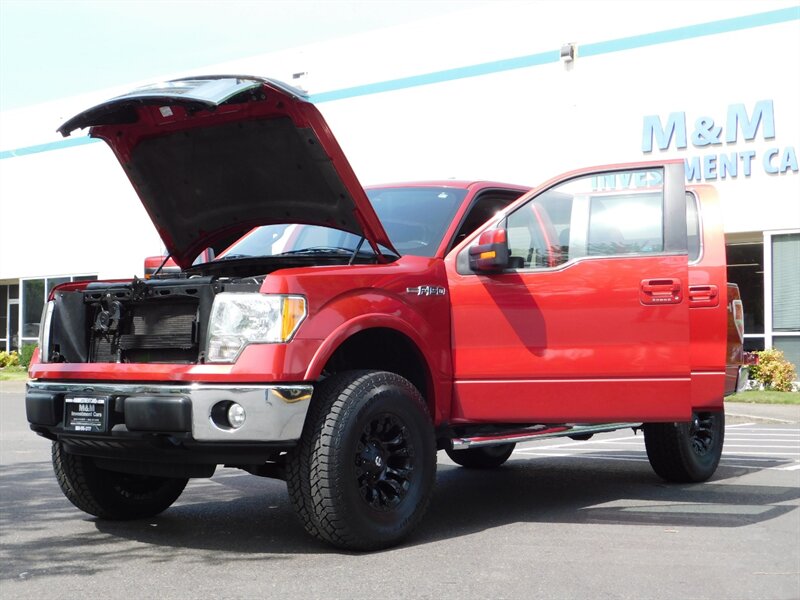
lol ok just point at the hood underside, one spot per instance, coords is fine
(213, 157)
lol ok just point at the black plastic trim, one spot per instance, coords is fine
(158, 413)
(42, 408)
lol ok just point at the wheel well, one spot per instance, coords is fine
(385, 350)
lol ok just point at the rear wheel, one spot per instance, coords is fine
(363, 472)
(686, 452)
(110, 494)
(487, 457)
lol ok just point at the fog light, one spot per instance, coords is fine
(236, 415)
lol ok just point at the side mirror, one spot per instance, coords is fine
(491, 251)
(151, 264)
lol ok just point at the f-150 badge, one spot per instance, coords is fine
(426, 290)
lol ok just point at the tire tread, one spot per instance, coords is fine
(670, 453)
(313, 476)
(92, 490)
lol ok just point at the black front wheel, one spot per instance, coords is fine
(110, 494)
(686, 452)
(362, 475)
(484, 457)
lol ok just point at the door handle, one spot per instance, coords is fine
(703, 295)
(660, 291)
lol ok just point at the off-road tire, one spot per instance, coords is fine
(109, 494)
(485, 457)
(686, 452)
(342, 492)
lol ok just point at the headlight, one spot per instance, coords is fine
(44, 332)
(238, 319)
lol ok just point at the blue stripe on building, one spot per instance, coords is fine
(66, 143)
(521, 62)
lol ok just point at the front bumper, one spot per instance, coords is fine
(275, 413)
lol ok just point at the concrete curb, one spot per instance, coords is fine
(764, 413)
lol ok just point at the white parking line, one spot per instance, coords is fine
(754, 468)
(747, 446)
(777, 454)
(783, 429)
(588, 456)
(642, 458)
(757, 433)
(770, 419)
(769, 439)
(747, 459)
(727, 445)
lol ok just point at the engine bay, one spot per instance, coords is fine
(141, 321)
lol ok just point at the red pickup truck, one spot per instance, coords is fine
(345, 335)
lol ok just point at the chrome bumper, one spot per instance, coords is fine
(275, 413)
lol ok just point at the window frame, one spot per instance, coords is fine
(23, 340)
(673, 186)
(580, 220)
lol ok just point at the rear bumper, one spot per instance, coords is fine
(741, 378)
(274, 413)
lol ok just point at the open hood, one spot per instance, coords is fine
(212, 157)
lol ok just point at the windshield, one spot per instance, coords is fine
(415, 219)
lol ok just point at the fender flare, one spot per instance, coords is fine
(355, 325)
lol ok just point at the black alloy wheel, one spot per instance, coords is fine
(384, 462)
(701, 434)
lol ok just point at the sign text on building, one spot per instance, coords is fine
(707, 133)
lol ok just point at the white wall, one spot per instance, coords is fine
(71, 211)
(521, 125)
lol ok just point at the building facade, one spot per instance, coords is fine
(512, 92)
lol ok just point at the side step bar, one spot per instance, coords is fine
(537, 432)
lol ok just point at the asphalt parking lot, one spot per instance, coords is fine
(562, 519)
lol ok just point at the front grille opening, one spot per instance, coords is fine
(155, 331)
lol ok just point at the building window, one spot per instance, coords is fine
(21, 309)
(3, 317)
(54, 281)
(786, 282)
(13, 325)
(785, 294)
(32, 302)
(746, 269)
(790, 346)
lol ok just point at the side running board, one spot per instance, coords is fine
(538, 432)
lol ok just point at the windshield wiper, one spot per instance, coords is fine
(235, 256)
(323, 250)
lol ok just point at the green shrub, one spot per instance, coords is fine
(25, 354)
(773, 370)
(9, 359)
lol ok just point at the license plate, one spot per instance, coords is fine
(86, 414)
